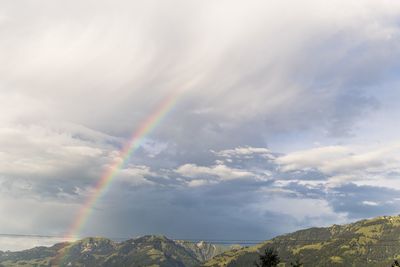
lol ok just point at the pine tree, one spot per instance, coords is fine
(270, 258)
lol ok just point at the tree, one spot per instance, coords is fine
(297, 263)
(270, 258)
(395, 263)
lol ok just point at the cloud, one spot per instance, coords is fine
(370, 203)
(78, 78)
(255, 195)
(135, 175)
(200, 182)
(219, 171)
(364, 165)
(244, 151)
(54, 160)
(313, 158)
(361, 201)
(121, 52)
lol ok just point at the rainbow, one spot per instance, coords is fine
(146, 127)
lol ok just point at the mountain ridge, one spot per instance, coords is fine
(149, 250)
(370, 242)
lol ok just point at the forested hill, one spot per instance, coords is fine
(373, 242)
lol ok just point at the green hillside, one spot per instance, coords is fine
(374, 242)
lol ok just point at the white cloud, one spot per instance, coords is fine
(337, 180)
(383, 157)
(346, 163)
(313, 158)
(135, 175)
(109, 49)
(370, 203)
(221, 172)
(41, 150)
(244, 152)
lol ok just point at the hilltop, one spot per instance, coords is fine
(374, 242)
(148, 250)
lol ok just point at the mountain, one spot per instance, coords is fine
(143, 251)
(374, 242)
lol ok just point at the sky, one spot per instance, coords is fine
(287, 118)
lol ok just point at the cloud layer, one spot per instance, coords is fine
(288, 117)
